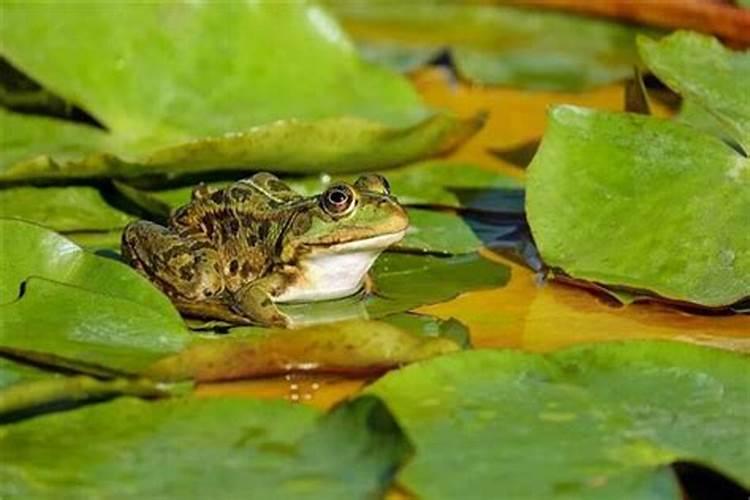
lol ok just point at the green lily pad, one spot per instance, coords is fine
(404, 282)
(97, 333)
(702, 70)
(56, 393)
(665, 206)
(71, 208)
(127, 66)
(12, 373)
(602, 421)
(352, 348)
(169, 110)
(257, 448)
(30, 250)
(439, 232)
(497, 45)
(288, 146)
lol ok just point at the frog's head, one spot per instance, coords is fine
(338, 236)
(364, 212)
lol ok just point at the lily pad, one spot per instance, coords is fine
(288, 146)
(71, 208)
(23, 400)
(261, 448)
(127, 66)
(497, 45)
(665, 207)
(169, 110)
(404, 282)
(601, 421)
(30, 250)
(702, 70)
(12, 373)
(352, 348)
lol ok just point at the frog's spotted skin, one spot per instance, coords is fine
(233, 253)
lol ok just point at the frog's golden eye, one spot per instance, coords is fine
(338, 200)
(375, 183)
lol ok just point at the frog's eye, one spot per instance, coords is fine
(375, 183)
(338, 200)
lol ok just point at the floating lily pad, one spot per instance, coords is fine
(496, 45)
(353, 348)
(262, 448)
(30, 250)
(702, 70)
(169, 110)
(23, 400)
(62, 208)
(127, 65)
(642, 203)
(404, 282)
(289, 146)
(603, 421)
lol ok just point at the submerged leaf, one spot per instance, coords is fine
(271, 448)
(497, 45)
(665, 207)
(702, 70)
(553, 427)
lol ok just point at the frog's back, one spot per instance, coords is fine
(243, 221)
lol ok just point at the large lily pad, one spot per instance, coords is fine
(702, 70)
(257, 448)
(330, 145)
(30, 250)
(127, 65)
(70, 208)
(496, 45)
(642, 203)
(175, 110)
(593, 422)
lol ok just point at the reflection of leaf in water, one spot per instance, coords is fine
(269, 448)
(606, 420)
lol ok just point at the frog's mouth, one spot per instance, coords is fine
(380, 242)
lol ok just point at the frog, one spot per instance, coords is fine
(237, 253)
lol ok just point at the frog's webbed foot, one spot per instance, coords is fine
(181, 267)
(256, 303)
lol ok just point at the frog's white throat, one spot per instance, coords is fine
(337, 271)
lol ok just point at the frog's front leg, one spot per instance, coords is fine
(255, 301)
(185, 268)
